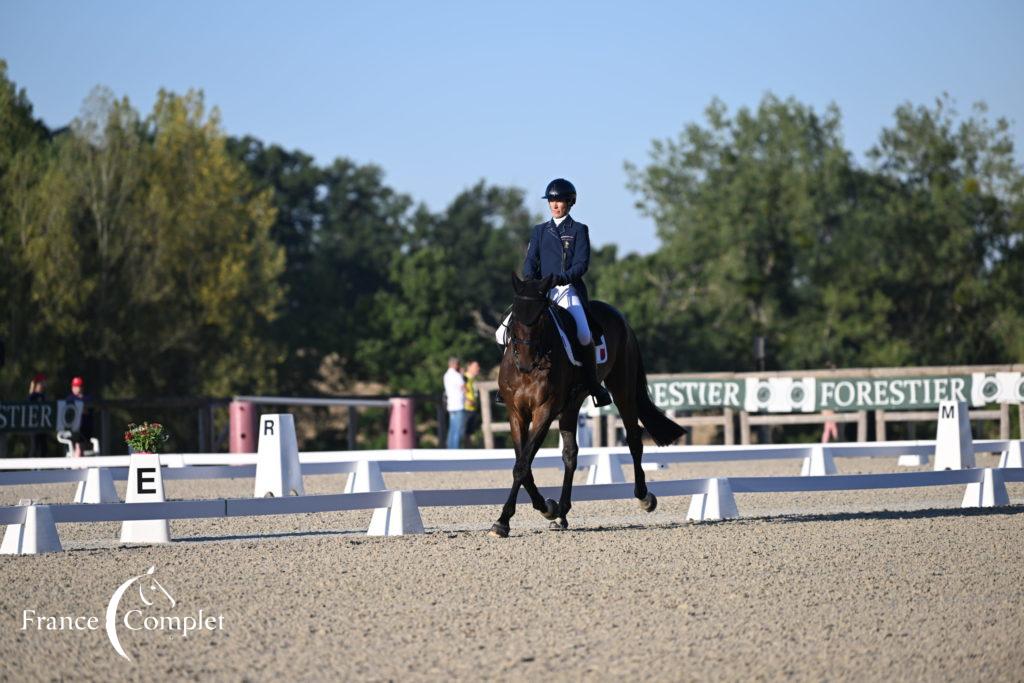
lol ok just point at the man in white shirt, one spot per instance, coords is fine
(455, 398)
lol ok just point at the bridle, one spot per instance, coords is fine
(540, 352)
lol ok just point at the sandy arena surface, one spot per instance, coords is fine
(873, 585)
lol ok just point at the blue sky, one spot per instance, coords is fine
(442, 94)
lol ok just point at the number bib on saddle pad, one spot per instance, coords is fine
(567, 332)
(601, 351)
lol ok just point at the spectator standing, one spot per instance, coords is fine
(584, 439)
(472, 404)
(831, 429)
(455, 400)
(84, 433)
(37, 394)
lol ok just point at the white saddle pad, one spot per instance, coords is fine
(601, 348)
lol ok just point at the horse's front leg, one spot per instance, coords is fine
(518, 425)
(567, 426)
(527, 441)
(541, 421)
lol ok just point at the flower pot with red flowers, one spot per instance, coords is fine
(147, 437)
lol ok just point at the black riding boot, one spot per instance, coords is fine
(594, 387)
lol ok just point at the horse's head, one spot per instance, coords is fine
(531, 299)
(528, 306)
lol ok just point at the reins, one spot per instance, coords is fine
(540, 352)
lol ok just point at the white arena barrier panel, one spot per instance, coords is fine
(36, 534)
(1011, 457)
(366, 477)
(98, 487)
(818, 463)
(277, 466)
(402, 517)
(987, 493)
(145, 485)
(714, 504)
(715, 500)
(607, 469)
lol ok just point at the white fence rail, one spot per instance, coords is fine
(33, 527)
(278, 469)
(193, 466)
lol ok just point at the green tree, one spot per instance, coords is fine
(948, 235)
(212, 267)
(769, 229)
(745, 208)
(449, 289)
(149, 260)
(23, 151)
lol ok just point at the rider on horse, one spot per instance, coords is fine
(561, 248)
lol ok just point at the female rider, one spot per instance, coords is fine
(561, 248)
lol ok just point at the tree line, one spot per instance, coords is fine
(159, 256)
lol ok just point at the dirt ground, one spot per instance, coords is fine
(873, 585)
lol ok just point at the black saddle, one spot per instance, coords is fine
(569, 326)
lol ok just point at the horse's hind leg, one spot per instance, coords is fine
(635, 441)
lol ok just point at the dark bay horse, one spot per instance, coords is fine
(539, 384)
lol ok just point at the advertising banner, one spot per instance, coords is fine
(798, 394)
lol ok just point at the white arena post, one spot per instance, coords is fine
(145, 485)
(987, 493)
(1012, 456)
(403, 517)
(366, 478)
(37, 534)
(606, 470)
(819, 463)
(716, 503)
(954, 447)
(912, 460)
(98, 487)
(277, 461)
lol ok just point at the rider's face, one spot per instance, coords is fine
(559, 207)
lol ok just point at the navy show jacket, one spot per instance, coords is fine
(549, 243)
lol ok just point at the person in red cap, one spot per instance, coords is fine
(37, 394)
(84, 433)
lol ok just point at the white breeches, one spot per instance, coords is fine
(564, 297)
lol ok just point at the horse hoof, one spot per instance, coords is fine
(552, 511)
(559, 524)
(649, 503)
(499, 531)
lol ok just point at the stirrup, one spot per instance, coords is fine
(601, 397)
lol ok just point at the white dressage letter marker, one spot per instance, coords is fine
(145, 485)
(277, 463)
(954, 446)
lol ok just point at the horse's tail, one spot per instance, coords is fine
(663, 430)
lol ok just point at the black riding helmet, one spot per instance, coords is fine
(560, 188)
